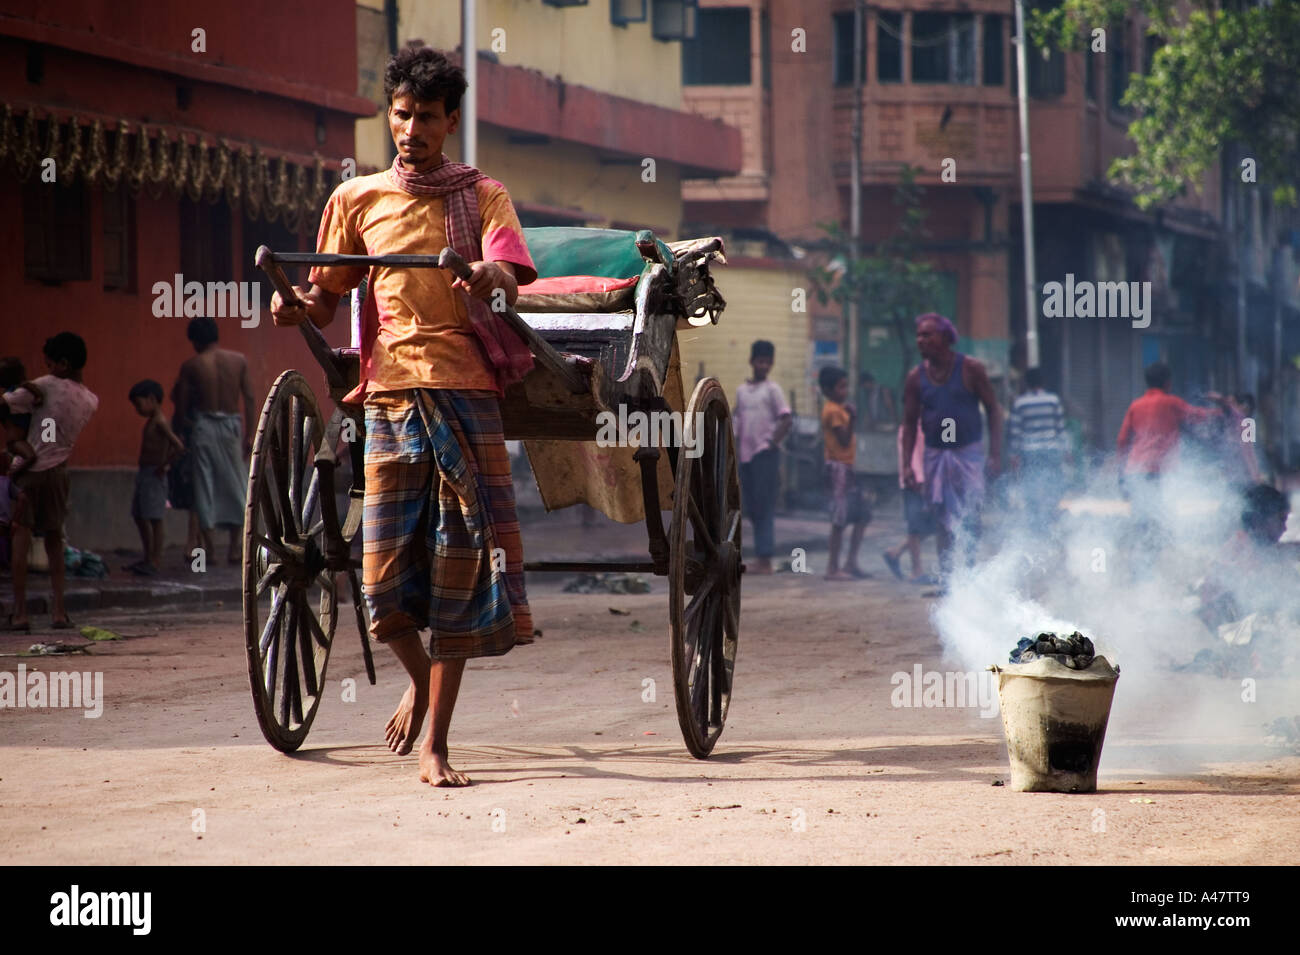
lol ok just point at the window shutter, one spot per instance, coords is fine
(119, 240)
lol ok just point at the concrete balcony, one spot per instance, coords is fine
(744, 108)
(922, 125)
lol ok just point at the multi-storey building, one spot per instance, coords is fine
(572, 100)
(939, 93)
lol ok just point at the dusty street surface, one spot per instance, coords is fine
(572, 766)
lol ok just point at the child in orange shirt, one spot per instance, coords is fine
(847, 505)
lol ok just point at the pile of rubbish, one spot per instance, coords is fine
(607, 584)
(1075, 651)
(1285, 731)
(52, 649)
(83, 563)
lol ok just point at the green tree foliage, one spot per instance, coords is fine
(892, 284)
(1228, 72)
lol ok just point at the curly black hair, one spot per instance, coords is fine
(1157, 375)
(1260, 503)
(426, 74)
(69, 347)
(12, 373)
(829, 377)
(146, 388)
(202, 331)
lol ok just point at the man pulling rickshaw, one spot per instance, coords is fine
(439, 500)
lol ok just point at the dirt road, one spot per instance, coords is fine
(573, 762)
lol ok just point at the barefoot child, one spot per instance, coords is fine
(17, 455)
(439, 501)
(21, 454)
(159, 447)
(847, 505)
(67, 406)
(12, 377)
(16, 458)
(762, 420)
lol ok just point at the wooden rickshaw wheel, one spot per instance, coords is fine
(290, 599)
(704, 570)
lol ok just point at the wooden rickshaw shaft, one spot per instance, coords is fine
(271, 263)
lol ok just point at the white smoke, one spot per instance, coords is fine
(1135, 597)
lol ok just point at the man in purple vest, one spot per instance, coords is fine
(944, 394)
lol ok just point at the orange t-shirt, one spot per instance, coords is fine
(424, 339)
(835, 415)
(1151, 429)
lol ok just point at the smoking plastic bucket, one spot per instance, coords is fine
(1055, 720)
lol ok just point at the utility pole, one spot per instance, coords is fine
(1279, 393)
(469, 102)
(1026, 192)
(855, 198)
(390, 27)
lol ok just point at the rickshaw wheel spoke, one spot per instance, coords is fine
(704, 553)
(290, 599)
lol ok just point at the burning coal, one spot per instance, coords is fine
(1075, 651)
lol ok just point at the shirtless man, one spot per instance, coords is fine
(207, 393)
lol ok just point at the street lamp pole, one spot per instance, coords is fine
(469, 102)
(855, 198)
(1026, 192)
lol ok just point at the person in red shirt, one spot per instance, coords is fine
(1148, 448)
(1148, 438)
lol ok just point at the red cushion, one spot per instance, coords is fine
(571, 284)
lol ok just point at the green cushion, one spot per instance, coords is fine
(569, 250)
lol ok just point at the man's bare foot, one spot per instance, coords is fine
(404, 726)
(839, 575)
(436, 771)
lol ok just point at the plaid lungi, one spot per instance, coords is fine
(439, 518)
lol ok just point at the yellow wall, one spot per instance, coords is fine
(582, 46)
(372, 142)
(578, 43)
(571, 176)
(758, 306)
(567, 176)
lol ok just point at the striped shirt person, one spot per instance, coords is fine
(1037, 424)
(1037, 443)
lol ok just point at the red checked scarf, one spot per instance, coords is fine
(454, 182)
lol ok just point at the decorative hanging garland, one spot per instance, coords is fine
(149, 159)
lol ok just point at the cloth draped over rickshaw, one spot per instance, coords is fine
(607, 479)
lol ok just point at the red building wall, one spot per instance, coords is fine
(125, 340)
(260, 82)
(259, 45)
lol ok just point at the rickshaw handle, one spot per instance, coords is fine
(269, 262)
(320, 348)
